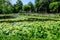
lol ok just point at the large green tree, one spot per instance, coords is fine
(18, 6)
(31, 6)
(54, 7)
(9, 7)
(2, 5)
(37, 5)
(26, 8)
(5, 6)
(41, 5)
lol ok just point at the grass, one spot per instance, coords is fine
(30, 27)
(38, 30)
(27, 17)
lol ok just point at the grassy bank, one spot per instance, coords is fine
(38, 30)
(30, 27)
(27, 17)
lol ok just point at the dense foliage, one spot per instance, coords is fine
(18, 6)
(30, 27)
(26, 8)
(5, 6)
(38, 6)
(38, 30)
(54, 7)
(43, 5)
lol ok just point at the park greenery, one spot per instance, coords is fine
(48, 6)
(38, 21)
(30, 26)
(38, 30)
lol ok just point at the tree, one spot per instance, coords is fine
(41, 5)
(31, 6)
(54, 1)
(59, 8)
(26, 8)
(54, 7)
(18, 6)
(9, 7)
(5, 6)
(37, 5)
(2, 7)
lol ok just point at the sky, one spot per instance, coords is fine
(24, 1)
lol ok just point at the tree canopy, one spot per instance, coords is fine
(50, 6)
